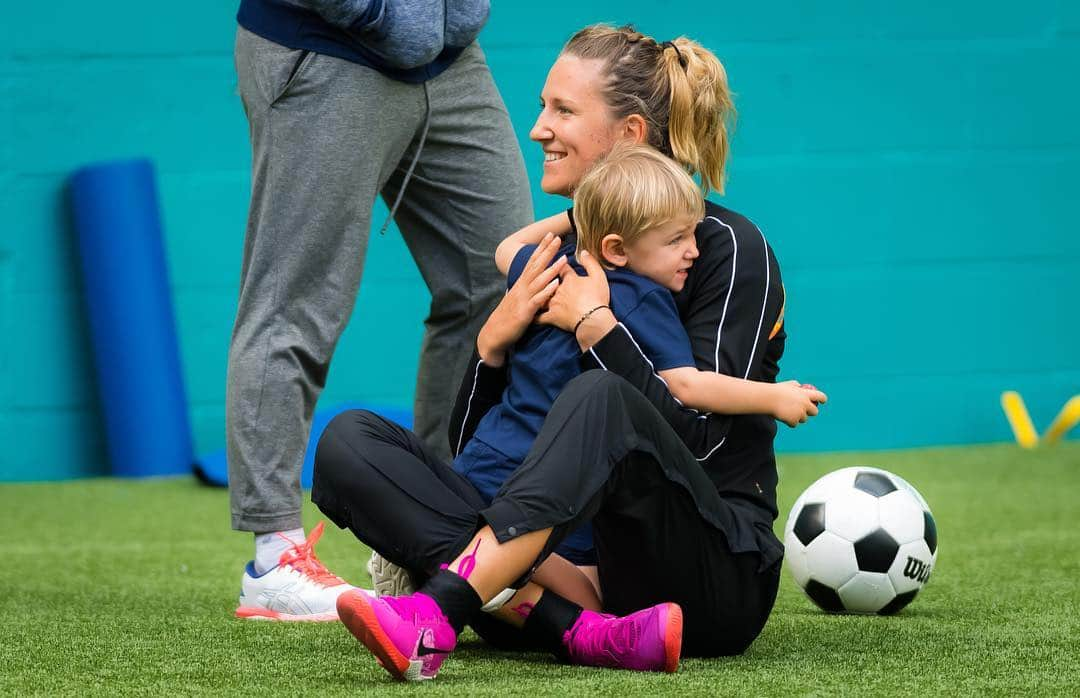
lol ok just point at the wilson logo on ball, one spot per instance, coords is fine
(917, 570)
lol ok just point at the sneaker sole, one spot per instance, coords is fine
(673, 638)
(355, 611)
(387, 578)
(254, 613)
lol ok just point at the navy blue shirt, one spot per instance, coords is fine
(544, 360)
(302, 29)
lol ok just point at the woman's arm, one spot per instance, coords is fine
(607, 344)
(790, 402)
(485, 378)
(732, 310)
(519, 307)
(532, 234)
(481, 389)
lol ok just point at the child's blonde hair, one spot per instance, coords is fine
(630, 191)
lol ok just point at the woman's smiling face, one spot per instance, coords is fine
(575, 126)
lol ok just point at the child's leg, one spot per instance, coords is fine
(490, 566)
(572, 582)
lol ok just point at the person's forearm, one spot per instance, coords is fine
(716, 392)
(491, 351)
(618, 353)
(595, 327)
(532, 234)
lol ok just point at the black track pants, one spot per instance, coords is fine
(604, 454)
(380, 481)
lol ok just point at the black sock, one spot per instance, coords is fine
(549, 620)
(455, 597)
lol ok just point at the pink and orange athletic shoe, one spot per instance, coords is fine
(409, 635)
(300, 588)
(648, 640)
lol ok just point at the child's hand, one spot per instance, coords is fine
(795, 402)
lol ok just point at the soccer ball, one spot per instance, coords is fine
(861, 540)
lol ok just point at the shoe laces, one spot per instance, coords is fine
(610, 635)
(301, 557)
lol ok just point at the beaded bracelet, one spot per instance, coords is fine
(586, 316)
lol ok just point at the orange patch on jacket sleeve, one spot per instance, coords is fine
(780, 318)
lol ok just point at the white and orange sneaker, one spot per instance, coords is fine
(300, 588)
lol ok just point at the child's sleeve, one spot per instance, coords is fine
(655, 327)
(518, 264)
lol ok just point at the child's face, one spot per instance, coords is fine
(665, 253)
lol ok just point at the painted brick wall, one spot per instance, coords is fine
(915, 166)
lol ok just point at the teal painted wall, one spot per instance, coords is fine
(915, 166)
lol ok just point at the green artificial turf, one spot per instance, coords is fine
(121, 587)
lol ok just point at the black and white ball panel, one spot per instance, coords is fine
(874, 483)
(810, 523)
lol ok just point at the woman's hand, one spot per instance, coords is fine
(575, 297)
(518, 308)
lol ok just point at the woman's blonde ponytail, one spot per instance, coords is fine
(701, 111)
(679, 87)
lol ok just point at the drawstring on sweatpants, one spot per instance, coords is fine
(412, 165)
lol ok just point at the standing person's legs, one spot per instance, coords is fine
(326, 135)
(468, 191)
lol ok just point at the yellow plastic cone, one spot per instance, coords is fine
(1066, 419)
(1019, 419)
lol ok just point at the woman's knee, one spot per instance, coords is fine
(730, 628)
(356, 422)
(343, 435)
(725, 636)
(595, 384)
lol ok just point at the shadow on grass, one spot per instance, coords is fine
(898, 617)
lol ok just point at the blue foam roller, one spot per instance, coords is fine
(213, 469)
(132, 328)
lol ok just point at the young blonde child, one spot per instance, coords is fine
(636, 211)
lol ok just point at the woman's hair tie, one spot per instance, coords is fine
(671, 44)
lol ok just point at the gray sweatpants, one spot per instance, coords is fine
(327, 136)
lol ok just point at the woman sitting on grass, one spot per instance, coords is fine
(636, 213)
(681, 503)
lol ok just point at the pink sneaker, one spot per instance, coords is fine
(649, 640)
(409, 635)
